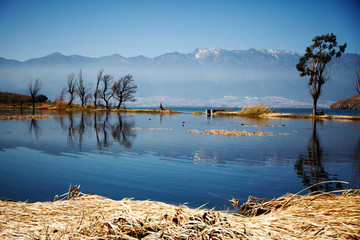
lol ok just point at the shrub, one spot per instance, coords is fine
(62, 105)
(90, 106)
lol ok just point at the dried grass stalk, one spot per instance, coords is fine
(321, 216)
(235, 133)
(21, 117)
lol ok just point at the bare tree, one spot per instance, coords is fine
(98, 80)
(82, 90)
(106, 92)
(356, 81)
(61, 97)
(71, 86)
(34, 89)
(88, 98)
(124, 90)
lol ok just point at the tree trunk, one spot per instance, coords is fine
(314, 106)
(119, 105)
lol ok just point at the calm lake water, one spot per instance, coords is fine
(150, 156)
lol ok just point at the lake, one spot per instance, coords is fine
(152, 156)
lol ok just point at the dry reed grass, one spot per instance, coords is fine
(257, 110)
(308, 116)
(151, 111)
(235, 133)
(22, 117)
(61, 105)
(160, 129)
(320, 216)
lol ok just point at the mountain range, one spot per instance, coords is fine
(206, 77)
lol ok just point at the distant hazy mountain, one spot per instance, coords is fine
(214, 76)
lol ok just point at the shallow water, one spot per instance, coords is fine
(151, 156)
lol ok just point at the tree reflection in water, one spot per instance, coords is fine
(356, 168)
(100, 128)
(310, 167)
(81, 130)
(34, 127)
(106, 128)
(71, 129)
(122, 132)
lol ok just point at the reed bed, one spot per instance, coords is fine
(22, 117)
(81, 216)
(250, 110)
(309, 116)
(235, 133)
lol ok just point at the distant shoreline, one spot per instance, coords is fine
(222, 113)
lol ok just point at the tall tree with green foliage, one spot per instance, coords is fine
(314, 61)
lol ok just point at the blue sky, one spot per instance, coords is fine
(95, 28)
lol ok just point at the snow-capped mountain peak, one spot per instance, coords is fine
(206, 52)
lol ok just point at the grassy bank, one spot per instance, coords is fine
(320, 216)
(259, 111)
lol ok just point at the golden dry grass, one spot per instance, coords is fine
(235, 133)
(321, 216)
(151, 111)
(21, 117)
(257, 110)
(160, 129)
(309, 116)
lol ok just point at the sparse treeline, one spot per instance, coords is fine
(122, 90)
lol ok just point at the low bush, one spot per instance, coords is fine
(61, 105)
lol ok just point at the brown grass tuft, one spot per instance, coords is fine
(292, 216)
(21, 117)
(61, 105)
(235, 133)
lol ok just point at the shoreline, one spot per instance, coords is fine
(324, 215)
(225, 113)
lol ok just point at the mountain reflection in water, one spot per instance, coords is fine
(151, 156)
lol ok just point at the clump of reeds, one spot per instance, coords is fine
(61, 105)
(315, 215)
(258, 109)
(320, 216)
(21, 117)
(250, 110)
(74, 191)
